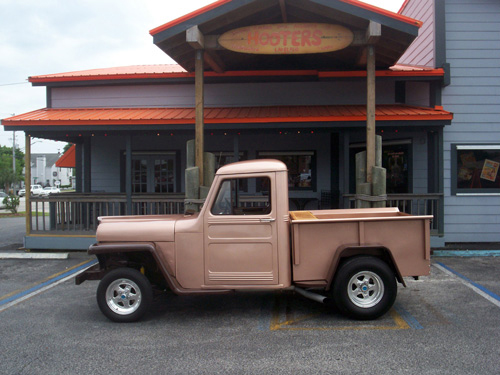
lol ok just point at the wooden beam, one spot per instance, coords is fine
(214, 61)
(27, 182)
(200, 103)
(195, 38)
(373, 33)
(284, 16)
(370, 112)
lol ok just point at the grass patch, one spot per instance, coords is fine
(21, 214)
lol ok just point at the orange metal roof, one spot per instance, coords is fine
(176, 71)
(67, 160)
(216, 4)
(238, 115)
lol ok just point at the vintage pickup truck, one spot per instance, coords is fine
(244, 238)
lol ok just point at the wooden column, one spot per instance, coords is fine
(200, 103)
(27, 182)
(128, 173)
(370, 112)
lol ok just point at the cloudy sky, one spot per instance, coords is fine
(54, 36)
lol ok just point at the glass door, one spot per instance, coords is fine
(153, 173)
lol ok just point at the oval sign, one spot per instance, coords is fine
(287, 38)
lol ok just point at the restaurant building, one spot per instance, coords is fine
(131, 124)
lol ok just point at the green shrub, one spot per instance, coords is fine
(11, 203)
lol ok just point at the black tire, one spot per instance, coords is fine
(364, 288)
(124, 295)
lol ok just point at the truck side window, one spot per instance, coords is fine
(233, 200)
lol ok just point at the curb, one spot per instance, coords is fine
(22, 255)
(466, 253)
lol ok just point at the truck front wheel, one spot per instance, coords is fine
(124, 295)
(364, 288)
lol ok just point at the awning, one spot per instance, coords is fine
(67, 160)
(222, 115)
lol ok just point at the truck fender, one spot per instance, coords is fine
(101, 249)
(98, 271)
(349, 251)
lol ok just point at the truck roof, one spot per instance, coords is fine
(252, 166)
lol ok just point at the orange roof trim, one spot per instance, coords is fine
(188, 16)
(238, 115)
(172, 71)
(67, 160)
(217, 4)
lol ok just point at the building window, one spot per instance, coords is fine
(232, 200)
(475, 169)
(223, 158)
(301, 167)
(396, 159)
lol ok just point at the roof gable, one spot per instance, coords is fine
(397, 32)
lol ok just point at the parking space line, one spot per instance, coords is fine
(402, 321)
(408, 318)
(479, 289)
(20, 295)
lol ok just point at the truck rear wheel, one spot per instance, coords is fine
(124, 295)
(364, 288)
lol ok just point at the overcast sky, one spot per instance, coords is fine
(54, 36)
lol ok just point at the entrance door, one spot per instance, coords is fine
(241, 238)
(153, 173)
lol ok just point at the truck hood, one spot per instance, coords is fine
(150, 228)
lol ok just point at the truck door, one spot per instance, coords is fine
(240, 233)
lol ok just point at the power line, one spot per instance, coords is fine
(12, 84)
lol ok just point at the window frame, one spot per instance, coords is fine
(455, 190)
(239, 210)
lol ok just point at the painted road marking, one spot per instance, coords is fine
(287, 320)
(20, 295)
(479, 289)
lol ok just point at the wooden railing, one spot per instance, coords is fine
(414, 204)
(78, 213)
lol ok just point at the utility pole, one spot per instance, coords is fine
(14, 162)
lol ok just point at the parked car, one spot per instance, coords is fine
(35, 190)
(2, 197)
(50, 190)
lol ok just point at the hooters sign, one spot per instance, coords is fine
(287, 38)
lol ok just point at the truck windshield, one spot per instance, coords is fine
(232, 199)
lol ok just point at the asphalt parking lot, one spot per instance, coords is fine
(448, 323)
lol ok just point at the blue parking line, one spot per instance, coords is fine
(408, 318)
(47, 282)
(465, 278)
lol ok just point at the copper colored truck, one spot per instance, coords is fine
(244, 238)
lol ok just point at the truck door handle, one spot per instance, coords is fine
(267, 220)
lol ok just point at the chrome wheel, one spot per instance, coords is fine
(365, 289)
(123, 296)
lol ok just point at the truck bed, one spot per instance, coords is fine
(318, 238)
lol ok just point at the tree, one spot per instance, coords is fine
(7, 175)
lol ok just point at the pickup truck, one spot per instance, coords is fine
(244, 238)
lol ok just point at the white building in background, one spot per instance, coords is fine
(45, 172)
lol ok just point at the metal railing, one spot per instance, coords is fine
(414, 204)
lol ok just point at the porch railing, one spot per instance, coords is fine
(414, 204)
(78, 213)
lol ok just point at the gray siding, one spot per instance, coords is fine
(421, 51)
(473, 50)
(228, 95)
